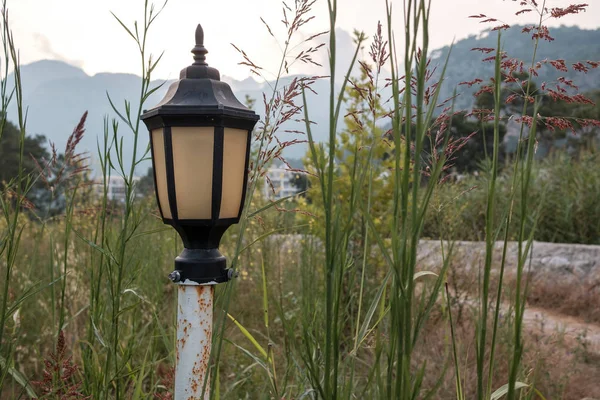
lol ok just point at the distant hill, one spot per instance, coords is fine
(572, 44)
(57, 93)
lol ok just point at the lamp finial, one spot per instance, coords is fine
(199, 50)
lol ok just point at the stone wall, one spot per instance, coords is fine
(571, 263)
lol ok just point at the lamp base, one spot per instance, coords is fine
(201, 266)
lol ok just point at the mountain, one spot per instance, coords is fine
(572, 44)
(56, 94)
(318, 107)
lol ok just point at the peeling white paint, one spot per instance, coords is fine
(194, 336)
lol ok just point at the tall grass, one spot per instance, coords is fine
(109, 371)
(13, 201)
(403, 309)
(332, 364)
(98, 252)
(560, 183)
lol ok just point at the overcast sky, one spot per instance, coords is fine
(84, 33)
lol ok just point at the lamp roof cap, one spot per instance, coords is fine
(200, 90)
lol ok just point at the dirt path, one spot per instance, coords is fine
(573, 330)
(546, 323)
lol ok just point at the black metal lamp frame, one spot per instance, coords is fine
(200, 99)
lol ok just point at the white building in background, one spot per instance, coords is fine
(116, 191)
(281, 180)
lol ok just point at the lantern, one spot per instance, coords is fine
(200, 140)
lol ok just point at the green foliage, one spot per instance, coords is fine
(49, 177)
(145, 186)
(479, 145)
(362, 147)
(34, 148)
(301, 182)
(565, 189)
(570, 135)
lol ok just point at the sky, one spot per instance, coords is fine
(85, 33)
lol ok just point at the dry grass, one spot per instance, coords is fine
(560, 365)
(577, 300)
(560, 369)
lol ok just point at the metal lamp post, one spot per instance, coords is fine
(200, 140)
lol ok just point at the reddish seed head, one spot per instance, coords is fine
(558, 12)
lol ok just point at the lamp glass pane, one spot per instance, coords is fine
(235, 142)
(160, 170)
(193, 168)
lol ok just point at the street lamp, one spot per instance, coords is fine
(200, 141)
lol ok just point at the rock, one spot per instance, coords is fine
(567, 263)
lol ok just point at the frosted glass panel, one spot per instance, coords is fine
(158, 153)
(193, 162)
(234, 163)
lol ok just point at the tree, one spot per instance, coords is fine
(559, 114)
(34, 153)
(33, 149)
(364, 179)
(145, 186)
(478, 147)
(301, 182)
(47, 180)
(588, 135)
(364, 149)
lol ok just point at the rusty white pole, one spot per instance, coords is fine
(194, 336)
